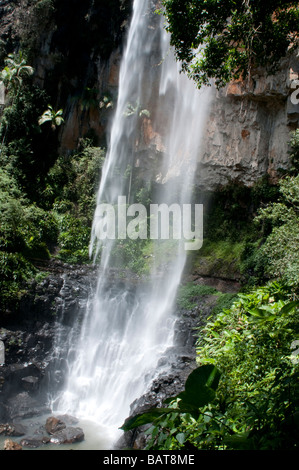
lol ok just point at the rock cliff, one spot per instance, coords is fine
(248, 128)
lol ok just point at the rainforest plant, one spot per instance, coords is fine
(225, 40)
(52, 116)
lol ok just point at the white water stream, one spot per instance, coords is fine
(125, 331)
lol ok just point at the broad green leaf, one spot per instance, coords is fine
(199, 389)
(207, 375)
(239, 441)
(144, 418)
(289, 307)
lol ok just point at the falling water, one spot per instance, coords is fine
(127, 327)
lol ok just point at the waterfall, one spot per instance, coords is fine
(127, 327)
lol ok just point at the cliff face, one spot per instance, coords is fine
(249, 127)
(247, 133)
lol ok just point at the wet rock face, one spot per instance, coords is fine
(75, 56)
(54, 425)
(29, 335)
(67, 436)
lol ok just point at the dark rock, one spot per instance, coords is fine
(13, 429)
(23, 406)
(31, 363)
(30, 383)
(34, 443)
(68, 419)
(53, 425)
(69, 435)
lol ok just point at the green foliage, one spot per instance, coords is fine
(280, 250)
(224, 301)
(230, 211)
(255, 403)
(134, 255)
(72, 182)
(200, 390)
(52, 116)
(73, 240)
(15, 271)
(294, 153)
(251, 345)
(190, 293)
(24, 227)
(137, 110)
(27, 233)
(70, 189)
(24, 144)
(14, 72)
(232, 37)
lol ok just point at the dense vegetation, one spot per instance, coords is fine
(244, 394)
(233, 37)
(46, 200)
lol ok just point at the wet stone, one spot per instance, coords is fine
(34, 443)
(53, 425)
(68, 435)
(12, 429)
(30, 383)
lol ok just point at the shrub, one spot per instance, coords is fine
(280, 250)
(253, 403)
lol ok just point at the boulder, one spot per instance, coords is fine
(30, 383)
(11, 445)
(53, 425)
(68, 419)
(33, 442)
(69, 435)
(23, 406)
(12, 429)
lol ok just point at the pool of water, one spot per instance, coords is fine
(96, 437)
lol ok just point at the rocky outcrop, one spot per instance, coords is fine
(248, 129)
(29, 336)
(11, 445)
(248, 123)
